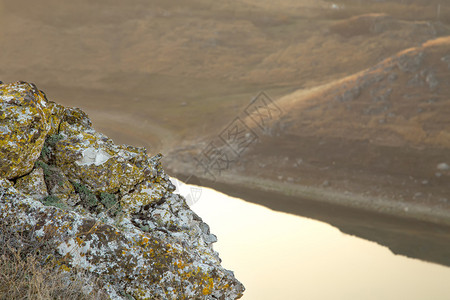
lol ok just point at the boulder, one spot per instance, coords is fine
(26, 117)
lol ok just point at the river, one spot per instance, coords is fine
(282, 256)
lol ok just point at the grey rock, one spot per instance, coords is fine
(443, 167)
(446, 59)
(410, 62)
(33, 184)
(431, 80)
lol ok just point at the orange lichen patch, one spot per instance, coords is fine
(79, 240)
(145, 241)
(179, 264)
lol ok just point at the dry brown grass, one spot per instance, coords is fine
(406, 120)
(23, 275)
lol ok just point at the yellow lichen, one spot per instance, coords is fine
(208, 289)
(26, 116)
(65, 268)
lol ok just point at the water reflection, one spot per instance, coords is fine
(422, 240)
(282, 256)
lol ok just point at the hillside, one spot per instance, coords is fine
(401, 101)
(155, 72)
(382, 133)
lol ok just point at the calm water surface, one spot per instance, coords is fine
(281, 256)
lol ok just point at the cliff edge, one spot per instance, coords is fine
(84, 203)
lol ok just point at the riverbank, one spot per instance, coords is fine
(332, 196)
(247, 186)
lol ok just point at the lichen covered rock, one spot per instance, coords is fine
(111, 212)
(26, 117)
(156, 264)
(58, 184)
(91, 158)
(33, 184)
(146, 193)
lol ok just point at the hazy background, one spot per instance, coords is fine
(150, 71)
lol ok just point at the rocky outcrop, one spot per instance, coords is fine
(100, 207)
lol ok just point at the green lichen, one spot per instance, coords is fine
(52, 200)
(45, 167)
(53, 139)
(52, 175)
(88, 198)
(110, 202)
(50, 141)
(145, 228)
